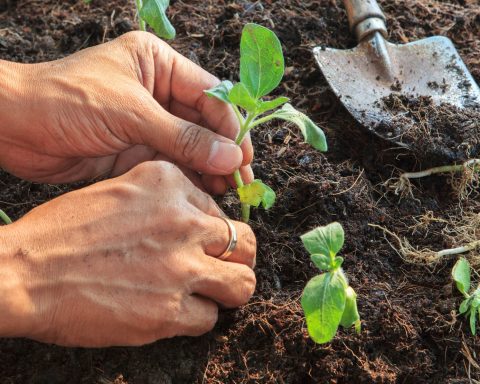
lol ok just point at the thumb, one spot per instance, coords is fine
(191, 145)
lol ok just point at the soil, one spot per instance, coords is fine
(411, 333)
(443, 131)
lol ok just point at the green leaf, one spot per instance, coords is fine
(464, 306)
(221, 91)
(265, 106)
(350, 314)
(154, 13)
(461, 275)
(321, 261)
(323, 302)
(311, 132)
(256, 193)
(473, 319)
(261, 60)
(240, 96)
(327, 240)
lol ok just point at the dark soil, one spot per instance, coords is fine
(410, 330)
(443, 131)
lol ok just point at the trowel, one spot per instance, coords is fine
(361, 77)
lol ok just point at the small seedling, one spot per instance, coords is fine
(469, 307)
(261, 69)
(153, 13)
(328, 301)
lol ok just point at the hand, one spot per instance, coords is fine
(108, 108)
(126, 261)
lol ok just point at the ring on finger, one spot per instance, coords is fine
(232, 242)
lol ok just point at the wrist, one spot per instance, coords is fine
(17, 308)
(14, 80)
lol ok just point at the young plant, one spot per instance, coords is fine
(471, 305)
(328, 301)
(153, 13)
(261, 70)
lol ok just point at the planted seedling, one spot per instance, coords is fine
(153, 13)
(328, 301)
(470, 306)
(261, 70)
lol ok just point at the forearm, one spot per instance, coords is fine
(16, 307)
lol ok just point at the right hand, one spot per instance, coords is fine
(126, 261)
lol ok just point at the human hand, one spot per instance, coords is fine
(126, 261)
(108, 108)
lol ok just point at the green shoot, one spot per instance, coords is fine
(262, 67)
(153, 13)
(470, 306)
(328, 301)
(4, 217)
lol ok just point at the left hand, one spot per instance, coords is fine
(108, 108)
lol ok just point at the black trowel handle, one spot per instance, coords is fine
(365, 17)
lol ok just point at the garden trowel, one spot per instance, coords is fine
(361, 77)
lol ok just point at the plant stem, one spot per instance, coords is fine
(5, 218)
(244, 128)
(141, 23)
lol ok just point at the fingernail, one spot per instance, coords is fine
(224, 157)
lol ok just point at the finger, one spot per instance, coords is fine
(189, 144)
(216, 185)
(188, 83)
(247, 150)
(247, 176)
(131, 158)
(217, 237)
(199, 316)
(229, 284)
(193, 176)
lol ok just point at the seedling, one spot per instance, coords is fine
(262, 67)
(469, 307)
(328, 301)
(153, 13)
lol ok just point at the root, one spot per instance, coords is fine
(469, 181)
(464, 234)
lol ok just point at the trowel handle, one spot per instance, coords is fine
(365, 17)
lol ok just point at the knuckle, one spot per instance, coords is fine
(247, 235)
(247, 287)
(187, 141)
(135, 38)
(159, 168)
(209, 320)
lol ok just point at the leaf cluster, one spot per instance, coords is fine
(328, 301)
(470, 306)
(262, 67)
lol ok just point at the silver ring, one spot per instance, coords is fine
(232, 243)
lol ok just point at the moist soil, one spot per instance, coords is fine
(411, 332)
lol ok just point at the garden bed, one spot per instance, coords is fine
(410, 331)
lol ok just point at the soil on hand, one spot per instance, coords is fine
(411, 331)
